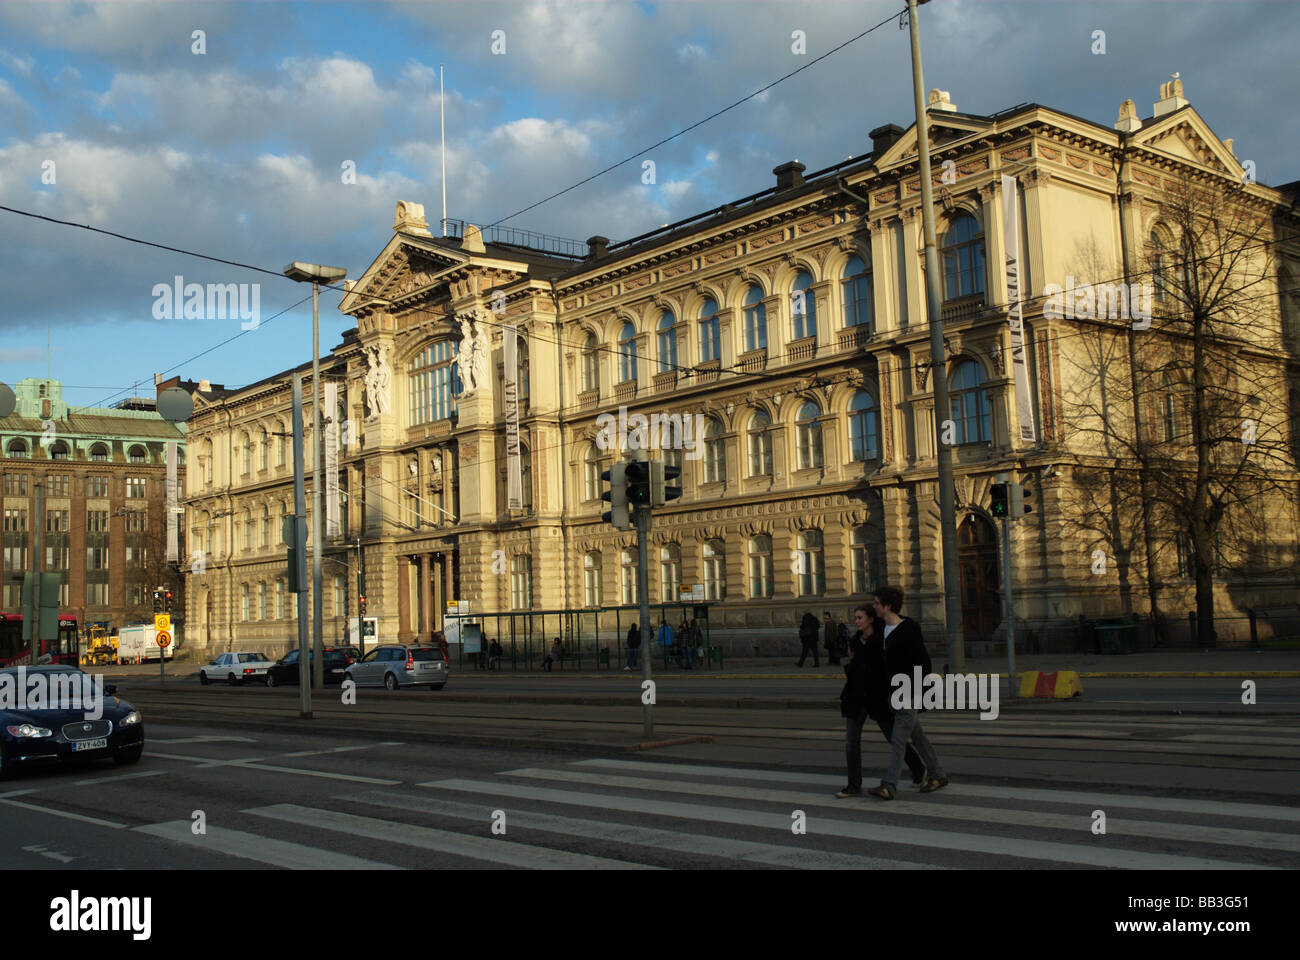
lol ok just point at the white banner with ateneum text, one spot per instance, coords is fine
(331, 438)
(173, 508)
(1019, 368)
(510, 360)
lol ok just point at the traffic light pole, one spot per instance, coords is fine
(647, 630)
(1007, 607)
(300, 522)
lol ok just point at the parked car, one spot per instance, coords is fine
(235, 668)
(351, 653)
(285, 670)
(60, 730)
(396, 666)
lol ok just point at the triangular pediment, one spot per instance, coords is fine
(945, 128)
(406, 264)
(1187, 136)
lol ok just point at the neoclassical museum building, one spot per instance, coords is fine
(788, 329)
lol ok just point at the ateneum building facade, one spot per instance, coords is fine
(784, 337)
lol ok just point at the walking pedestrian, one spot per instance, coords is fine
(904, 650)
(854, 702)
(830, 638)
(808, 638)
(842, 637)
(633, 646)
(870, 634)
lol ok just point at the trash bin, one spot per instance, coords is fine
(1116, 636)
(604, 656)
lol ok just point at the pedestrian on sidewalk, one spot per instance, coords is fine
(494, 655)
(904, 650)
(870, 635)
(633, 646)
(808, 639)
(830, 639)
(557, 651)
(842, 634)
(854, 702)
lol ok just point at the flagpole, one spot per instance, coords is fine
(442, 122)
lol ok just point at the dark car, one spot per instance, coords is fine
(351, 653)
(62, 726)
(284, 672)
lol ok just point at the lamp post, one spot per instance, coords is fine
(316, 274)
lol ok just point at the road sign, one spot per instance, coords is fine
(164, 638)
(162, 621)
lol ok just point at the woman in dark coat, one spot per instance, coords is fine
(879, 689)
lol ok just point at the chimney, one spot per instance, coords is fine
(939, 100)
(1128, 118)
(882, 138)
(597, 248)
(789, 175)
(1171, 97)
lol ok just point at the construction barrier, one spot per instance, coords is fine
(1060, 685)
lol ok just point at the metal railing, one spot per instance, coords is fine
(515, 237)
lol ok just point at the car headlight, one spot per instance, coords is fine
(130, 718)
(28, 730)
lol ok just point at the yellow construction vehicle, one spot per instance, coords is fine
(100, 648)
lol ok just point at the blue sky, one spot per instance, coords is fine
(237, 152)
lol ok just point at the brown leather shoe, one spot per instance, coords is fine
(935, 783)
(884, 792)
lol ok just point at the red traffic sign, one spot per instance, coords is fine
(164, 638)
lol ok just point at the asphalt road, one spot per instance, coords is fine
(1177, 792)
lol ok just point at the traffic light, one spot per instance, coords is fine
(361, 605)
(660, 491)
(1016, 505)
(638, 483)
(617, 514)
(157, 601)
(998, 506)
(167, 601)
(294, 535)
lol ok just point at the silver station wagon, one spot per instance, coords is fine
(401, 666)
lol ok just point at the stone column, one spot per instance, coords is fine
(912, 268)
(403, 599)
(426, 597)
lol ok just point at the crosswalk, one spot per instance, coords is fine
(615, 814)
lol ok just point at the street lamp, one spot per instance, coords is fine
(316, 275)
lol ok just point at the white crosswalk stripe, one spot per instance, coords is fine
(250, 846)
(692, 843)
(1086, 798)
(944, 810)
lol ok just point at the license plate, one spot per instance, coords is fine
(79, 745)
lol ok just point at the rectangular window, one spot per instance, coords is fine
(97, 486)
(97, 558)
(56, 521)
(97, 594)
(137, 557)
(56, 557)
(521, 582)
(15, 484)
(16, 520)
(97, 521)
(136, 488)
(135, 521)
(56, 486)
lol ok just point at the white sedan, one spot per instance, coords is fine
(235, 668)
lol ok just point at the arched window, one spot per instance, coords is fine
(590, 363)
(963, 258)
(137, 454)
(266, 526)
(803, 307)
(214, 537)
(17, 449)
(281, 447)
(264, 452)
(670, 572)
(970, 403)
(1157, 256)
(59, 450)
(250, 530)
(760, 444)
(261, 600)
(521, 355)
(591, 470)
(521, 582)
(99, 453)
(627, 353)
(710, 338)
(808, 436)
(715, 570)
(526, 476)
(628, 570)
(715, 454)
(591, 578)
(857, 288)
(431, 383)
(667, 342)
(862, 426)
(246, 452)
(1170, 408)
(244, 612)
(755, 320)
(811, 564)
(760, 567)
(859, 562)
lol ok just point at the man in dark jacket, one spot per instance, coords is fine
(870, 630)
(830, 638)
(808, 638)
(904, 651)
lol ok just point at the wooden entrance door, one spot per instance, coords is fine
(977, 564)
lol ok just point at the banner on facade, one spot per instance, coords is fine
(331, 439)
(1019, 368)
(173, 507)
(510, 360)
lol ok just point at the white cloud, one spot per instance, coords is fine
(19, 65)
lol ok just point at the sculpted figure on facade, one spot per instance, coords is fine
(379, 378)
(473, 354)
